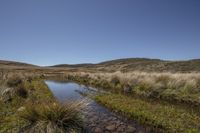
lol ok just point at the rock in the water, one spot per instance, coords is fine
(110, 127)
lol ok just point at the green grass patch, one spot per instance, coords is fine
(167, 118)
(25, 91)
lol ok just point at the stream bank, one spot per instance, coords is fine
(97, 119)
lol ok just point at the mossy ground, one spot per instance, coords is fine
(161, 117)
(37, 91)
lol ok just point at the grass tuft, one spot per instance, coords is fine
(54, 116)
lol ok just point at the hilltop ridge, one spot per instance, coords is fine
(124, 65)
(140, 64)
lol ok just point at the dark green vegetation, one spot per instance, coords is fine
(27, 105)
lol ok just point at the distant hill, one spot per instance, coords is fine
(124, 65)
(140, 64)
(4, 64)
(73, 66)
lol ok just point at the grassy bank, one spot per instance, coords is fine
(27, 105)
(173, 88)
(166, 102)
(162, 118)
(19, 92)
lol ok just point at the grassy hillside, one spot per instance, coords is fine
(124, 65)
(9, 68)
(74, 66)
(13, 63)
(140, 64)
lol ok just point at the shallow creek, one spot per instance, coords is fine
(97, 119)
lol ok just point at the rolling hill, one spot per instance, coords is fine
(124, 65)
(7, 64)
(3, 62)
(139, 64)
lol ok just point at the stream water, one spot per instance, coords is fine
(97, 119)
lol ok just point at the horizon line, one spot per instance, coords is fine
(174, 60)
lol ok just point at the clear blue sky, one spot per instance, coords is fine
(46, 32)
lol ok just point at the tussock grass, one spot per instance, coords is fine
(175, 87)
(53, 116)
(162, 118)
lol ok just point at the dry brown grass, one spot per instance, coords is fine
(180, 87)
(174, 80)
